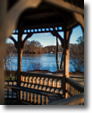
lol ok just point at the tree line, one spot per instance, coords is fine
(35, 47)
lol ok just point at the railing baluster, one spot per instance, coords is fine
(31, 97)
(20, 95)
(42, 100)
(24, 95)
(27, 96)
(38, 99)
(34, 98)
(47, 100)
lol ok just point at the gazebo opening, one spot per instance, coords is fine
(43, 75)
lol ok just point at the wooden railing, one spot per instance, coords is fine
(74, 100)
(74, 94)
(73, 88)
(45, 82)
(10, 78)
(37, 88)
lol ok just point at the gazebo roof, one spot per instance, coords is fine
(47, 15)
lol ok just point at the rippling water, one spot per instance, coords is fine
(45, 61)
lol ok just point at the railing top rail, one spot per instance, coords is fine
(75, 84)
(45, 75)
(74, 100)
(35, 91)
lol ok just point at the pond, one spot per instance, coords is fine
(46, 61)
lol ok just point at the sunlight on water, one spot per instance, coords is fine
(45, 61)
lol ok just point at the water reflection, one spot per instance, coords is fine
(45, 61)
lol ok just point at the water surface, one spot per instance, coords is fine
(45, 61)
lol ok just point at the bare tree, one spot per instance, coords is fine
(8, 56)
(77, 55)
(34, 47)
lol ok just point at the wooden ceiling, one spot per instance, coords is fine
(47, 15)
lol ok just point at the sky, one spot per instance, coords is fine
(48, 39)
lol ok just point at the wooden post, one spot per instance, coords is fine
(66, 58)
(57, 54)
(20, 52)
(62, 62)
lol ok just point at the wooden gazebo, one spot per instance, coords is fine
(40, 16)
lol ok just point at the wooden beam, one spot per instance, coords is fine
(79, 18)
(11, 37)
(28, 36)
(71, 26)
(55, 33)
(67, 6)
(51, 25)
(41, 15)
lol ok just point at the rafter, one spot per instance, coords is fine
(79, 18)
(66, 5)
(41, 15)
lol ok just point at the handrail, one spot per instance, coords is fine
(45, 85)
(74, 100)
(47, 75)
(32, 91)
(75, 84)
(49, 96)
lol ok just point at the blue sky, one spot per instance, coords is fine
(48, 39)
